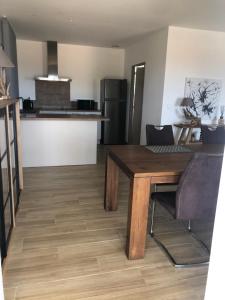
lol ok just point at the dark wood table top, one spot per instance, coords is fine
(137, 161)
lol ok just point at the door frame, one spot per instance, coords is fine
(131, 97)
(1, 283)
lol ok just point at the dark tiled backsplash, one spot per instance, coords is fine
(52, 93)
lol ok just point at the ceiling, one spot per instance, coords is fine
(108, 22)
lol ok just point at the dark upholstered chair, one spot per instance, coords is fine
(196, 195)
(212, 136)
(159, 135)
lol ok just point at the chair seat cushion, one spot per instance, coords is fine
(167, 200)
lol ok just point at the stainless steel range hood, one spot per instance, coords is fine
(52, 64)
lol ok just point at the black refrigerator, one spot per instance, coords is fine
(113, 100)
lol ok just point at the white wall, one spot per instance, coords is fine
(86, 66)
(190, 53)
(31, 59)
(170, 55)
(152, 51)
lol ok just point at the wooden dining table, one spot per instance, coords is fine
(144, 168)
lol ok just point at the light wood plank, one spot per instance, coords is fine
(65, 246)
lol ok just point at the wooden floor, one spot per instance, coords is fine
(65, 246)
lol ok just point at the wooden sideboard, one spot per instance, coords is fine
(186, 131)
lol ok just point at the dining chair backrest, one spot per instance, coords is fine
(196, 195)
(159, 135)
(212, 135)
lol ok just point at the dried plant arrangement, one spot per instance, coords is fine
(4, 86)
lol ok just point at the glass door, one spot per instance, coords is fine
(5, 191)
(9, 185)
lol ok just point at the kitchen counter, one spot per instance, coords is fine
(59, 138)
(62, 113)
(73, 117)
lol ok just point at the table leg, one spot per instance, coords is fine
(189, 136)
(111, 185)
(182, 135)
(137, 217)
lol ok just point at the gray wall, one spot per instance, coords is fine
(8, 42)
